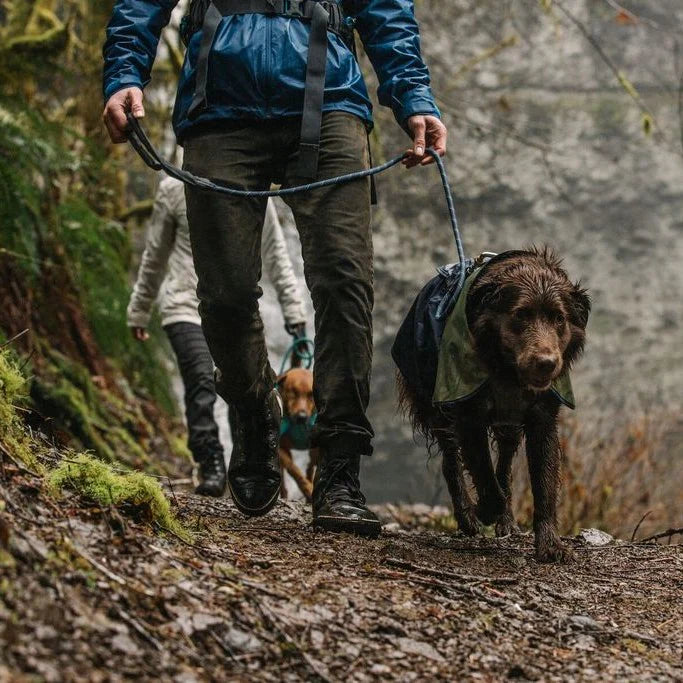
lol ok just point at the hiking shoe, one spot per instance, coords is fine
(338, 504)
(254, 471)
(212, 474)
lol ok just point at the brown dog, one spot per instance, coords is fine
(525, 321)
(296, 390)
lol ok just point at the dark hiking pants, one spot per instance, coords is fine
(334, 227)
(196, 370)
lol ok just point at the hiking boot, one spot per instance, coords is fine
(254, 470)
(212, 474)
(338, 504)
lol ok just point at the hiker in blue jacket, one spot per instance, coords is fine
(271, 91)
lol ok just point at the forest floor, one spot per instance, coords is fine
(87, 593)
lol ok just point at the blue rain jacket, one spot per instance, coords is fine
(257, 66)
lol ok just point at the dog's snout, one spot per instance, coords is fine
(300, 417)
(546, 364)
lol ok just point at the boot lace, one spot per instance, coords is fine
(343, 484)
(213, 466)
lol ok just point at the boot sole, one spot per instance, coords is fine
(254, 512)
(367, 529)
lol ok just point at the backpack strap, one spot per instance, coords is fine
(311, 120)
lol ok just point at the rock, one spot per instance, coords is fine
(410, 646)
(595, 537)
(125, 645)
(380, 669)
(582, 621)
(242, 641)
(191, 622)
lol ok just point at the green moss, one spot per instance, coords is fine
(12, 385)
(98, 482)
(70, 411)
(12, 435)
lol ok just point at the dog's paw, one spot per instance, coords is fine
(506, 525)
(490, 509)
(550, 548)
(468, 522)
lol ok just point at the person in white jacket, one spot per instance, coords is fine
(167, 273)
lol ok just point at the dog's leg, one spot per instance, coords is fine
(507, 440)
(313, 457)
(477, 459)
(304, 484)
(543, 453)
(284, 454)
(451, 466)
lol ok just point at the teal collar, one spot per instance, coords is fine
(298, 434)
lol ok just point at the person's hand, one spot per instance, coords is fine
(297, 330)
(114, 115)
(299, 351)
(426, 131)
(139, 333)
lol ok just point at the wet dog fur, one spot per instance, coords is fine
(528, 322)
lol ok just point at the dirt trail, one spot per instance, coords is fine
(87, 594)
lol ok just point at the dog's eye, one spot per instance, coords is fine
(558, 319)
(523, 314)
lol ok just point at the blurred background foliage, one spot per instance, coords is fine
(68, 205)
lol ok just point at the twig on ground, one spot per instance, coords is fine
(224, 646)
(642, 519)
(448, 587)
(401, 564)
(18, 465)
(135, 624)
(662, 534)
(97, 565)
(108, 573)
(170, 485)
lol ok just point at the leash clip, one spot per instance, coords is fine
(483, 257)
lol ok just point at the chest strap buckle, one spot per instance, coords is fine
(294, 8)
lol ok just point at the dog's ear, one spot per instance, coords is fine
(280, 380)
(580, 305)
(482, 298)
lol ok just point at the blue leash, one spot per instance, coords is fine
(142, 145)
(305, 355)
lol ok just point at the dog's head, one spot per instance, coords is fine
(527, 318)
(296, 390)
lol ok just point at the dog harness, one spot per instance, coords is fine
(299, 433)
(460, 374)
(323, 15)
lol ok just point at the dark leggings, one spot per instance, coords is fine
(196, 369)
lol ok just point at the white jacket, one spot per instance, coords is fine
(167, 269)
